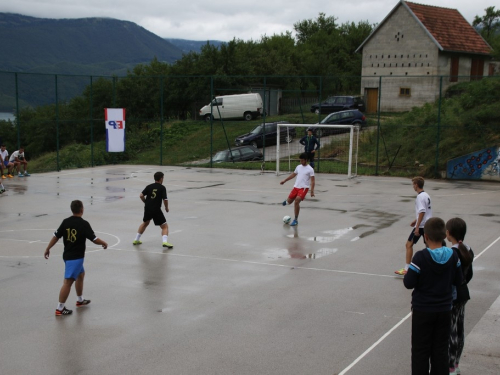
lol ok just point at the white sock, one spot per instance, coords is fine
(165, 237)
(137, 236)
(60, 306)
(406, 267)
(80, 298)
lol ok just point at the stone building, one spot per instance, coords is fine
(416, 51)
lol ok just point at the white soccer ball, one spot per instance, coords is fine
(287, 219)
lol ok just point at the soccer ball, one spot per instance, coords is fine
(287, 219)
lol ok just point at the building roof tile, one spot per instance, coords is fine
(450, 29)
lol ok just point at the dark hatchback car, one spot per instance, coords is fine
(339, 103)
(244, 153)
(351, 117)
(256, 136)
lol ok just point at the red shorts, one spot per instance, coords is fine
(298, 192)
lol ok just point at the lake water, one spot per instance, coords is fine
(7, 116)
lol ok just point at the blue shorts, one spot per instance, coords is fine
(413, 238)
(73, 268)
(6, 163)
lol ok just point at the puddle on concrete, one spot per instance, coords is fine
(276, 253)
(205, 187)
(321, 253)
(18, 189)
(332, 235)
(405, 200)
(112, 199)
(117, 179)
(487, 215)
(115, 189)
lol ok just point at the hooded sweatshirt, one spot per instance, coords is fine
(431, 275)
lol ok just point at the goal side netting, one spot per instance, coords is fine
(338, 151)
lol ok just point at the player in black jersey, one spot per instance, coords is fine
(152, 196)
(75, 231)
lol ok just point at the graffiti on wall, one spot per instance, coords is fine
(480, 165)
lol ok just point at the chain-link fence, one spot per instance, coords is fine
(409, 125)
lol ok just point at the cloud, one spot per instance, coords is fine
(225, 19)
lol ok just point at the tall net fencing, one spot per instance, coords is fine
(413, 125)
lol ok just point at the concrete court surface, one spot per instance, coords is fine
(240, 293)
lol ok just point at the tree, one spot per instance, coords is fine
(488, 23)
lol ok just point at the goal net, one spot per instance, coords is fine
(338, 151)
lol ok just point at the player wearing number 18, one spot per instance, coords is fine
(74, 231)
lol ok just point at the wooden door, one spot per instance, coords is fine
(371, 100)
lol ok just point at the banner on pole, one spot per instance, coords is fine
(115, 129)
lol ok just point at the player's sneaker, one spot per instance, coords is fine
(284, 203)
(85, 302)
(4, 176)
(10, 176)
(26, 174)
(294, 223)
(64, 311)
(136, 242)
(2, 191)
(20, 175)
(401, 272)
(169, 245)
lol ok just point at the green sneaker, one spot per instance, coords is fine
(136, 242)
(169, 245)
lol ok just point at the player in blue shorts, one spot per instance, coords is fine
(75, 231)
(152, 196)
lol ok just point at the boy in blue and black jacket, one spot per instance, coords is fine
(431, 275)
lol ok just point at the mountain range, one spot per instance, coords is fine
(89, 46)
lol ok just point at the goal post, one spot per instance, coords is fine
(338, 152)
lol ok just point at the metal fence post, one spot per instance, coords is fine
(161, 120)
(436, 172)
(91, 127)
(57, 124)
(211, 121)
(378, 123)
(17, 114)
(319, 117)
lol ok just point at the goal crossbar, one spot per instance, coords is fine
(352, 129)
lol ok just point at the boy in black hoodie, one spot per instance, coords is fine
(431, 275)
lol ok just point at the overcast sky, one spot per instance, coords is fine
(225, 19)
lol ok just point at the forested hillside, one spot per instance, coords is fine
(99, 46)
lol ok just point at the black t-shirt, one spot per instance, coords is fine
(75, 231)
(154, 194)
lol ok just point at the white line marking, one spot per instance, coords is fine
(374, 345)
(482, 252)
(256, 263)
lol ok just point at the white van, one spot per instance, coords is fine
(242, 106)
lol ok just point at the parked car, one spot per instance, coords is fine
(351, 117)
(242, 106)
(256, 136)
(244, 153)
(339, 103)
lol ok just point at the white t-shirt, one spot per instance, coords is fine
(423, 204)
(4, 154)
(15, 155)
(304, 174)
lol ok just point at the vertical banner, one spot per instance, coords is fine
(115, 129)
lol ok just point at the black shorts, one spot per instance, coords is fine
(157, 216)
(414, 238)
